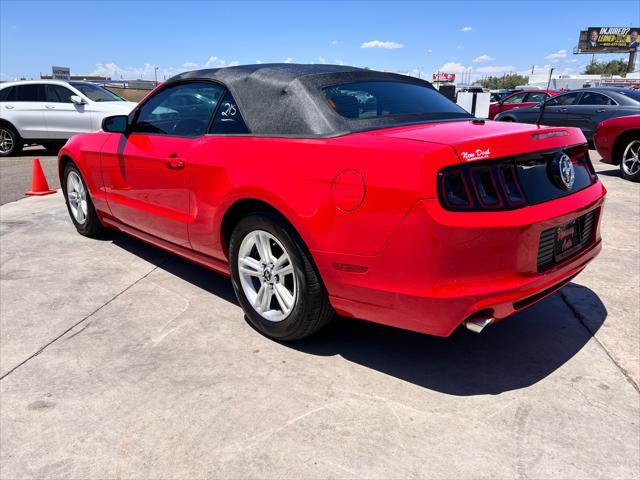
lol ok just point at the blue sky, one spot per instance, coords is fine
(129, 39)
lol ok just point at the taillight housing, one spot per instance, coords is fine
(512, 182)
(480, 186)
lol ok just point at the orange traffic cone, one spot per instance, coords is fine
(39, 185)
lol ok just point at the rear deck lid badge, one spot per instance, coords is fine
(478, 154)
(562, 172)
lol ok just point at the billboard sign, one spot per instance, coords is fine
(609, 39)
(60, 73)
(444, 77)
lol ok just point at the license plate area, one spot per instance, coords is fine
(563, 241)
(567, 240)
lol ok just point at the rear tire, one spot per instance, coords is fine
(274, 280)
(10, 141)
(629, 159)
(81, 210)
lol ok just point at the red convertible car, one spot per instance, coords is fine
(618, 142)
(328, 189)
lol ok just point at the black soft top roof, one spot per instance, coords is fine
(286, 99)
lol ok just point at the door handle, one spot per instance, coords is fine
(50, 107)
(174, 163)
(563, 109)
(10, 107)
(600, 110)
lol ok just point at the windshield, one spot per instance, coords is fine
(369, 100)
(96, 92)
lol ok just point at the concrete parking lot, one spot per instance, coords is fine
(120, 361)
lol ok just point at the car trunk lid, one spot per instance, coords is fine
(484, 140)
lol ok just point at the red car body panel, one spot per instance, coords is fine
(609, 131)
(410, 263)
(498, 107)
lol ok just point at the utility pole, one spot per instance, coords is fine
(631, 66)
(155, 72)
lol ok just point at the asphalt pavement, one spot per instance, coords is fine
(118, 360)
(15, 173)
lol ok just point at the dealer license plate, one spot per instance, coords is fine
(567, 239)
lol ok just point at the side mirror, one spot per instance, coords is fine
(77, 99)
(115, 124)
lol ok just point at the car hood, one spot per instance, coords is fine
(481, 141)
(113, 107)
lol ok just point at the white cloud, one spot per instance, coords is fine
(571, 60)
(559, 55)
(4, 77)
(147, 71)
(459, 47)
(288, 60)
(321, 60)
(497, 69)
(258, 61)
(337, 61)
(379, 44)
(452, 67)
(429, 51)
(466, 29)
(215, 62)
(483, 58)
(334, 42)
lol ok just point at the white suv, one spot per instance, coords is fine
(48, 112)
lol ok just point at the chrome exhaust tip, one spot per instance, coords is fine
(478, 323)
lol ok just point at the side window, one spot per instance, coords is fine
(561, 100)
(593, 98)
(228, 119)
(516, 98)
(57, 94)
(183, 110)
(30, 93)
(8, 94)
(537, 97)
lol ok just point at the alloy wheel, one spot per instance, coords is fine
(630, 161)
(267, 276)
(77, 195)
(6, 141)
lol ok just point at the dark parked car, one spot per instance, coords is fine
(584, 109)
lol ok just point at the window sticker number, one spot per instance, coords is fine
(229, 110)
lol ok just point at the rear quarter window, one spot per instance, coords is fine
(368, 100)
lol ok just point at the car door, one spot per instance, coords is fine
(513, 101)
(146, 171)
(64, 118)
(586, 114)
(556, 108)
(24, 108)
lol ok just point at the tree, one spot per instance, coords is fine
(506, 81)
(613, 67)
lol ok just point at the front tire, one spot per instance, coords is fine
(81, 210)
(274, 280)
(10, 141)
(629, 160)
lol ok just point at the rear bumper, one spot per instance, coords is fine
(440, 267)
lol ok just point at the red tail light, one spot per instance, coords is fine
(488, 186)
(510, 183)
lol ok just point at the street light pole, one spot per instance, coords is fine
(155, 72)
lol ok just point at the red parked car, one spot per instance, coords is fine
(522, 98)
(618, 141)
(323, 189)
